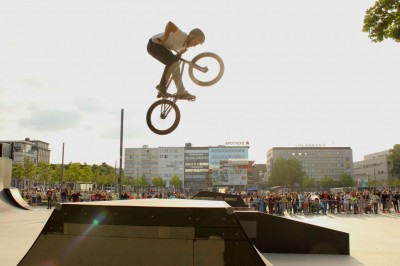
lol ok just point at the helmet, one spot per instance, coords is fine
(198, 33)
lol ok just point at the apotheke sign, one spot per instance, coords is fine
(237, 143)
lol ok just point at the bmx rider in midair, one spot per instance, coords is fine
(161, 45)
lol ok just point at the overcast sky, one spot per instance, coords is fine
(297, 72)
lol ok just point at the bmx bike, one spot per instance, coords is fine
(205, 69)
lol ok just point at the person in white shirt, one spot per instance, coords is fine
(161, 45)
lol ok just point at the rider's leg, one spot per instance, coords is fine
(176, 77)
(165, 56)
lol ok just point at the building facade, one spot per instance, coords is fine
(373, 170)
(141, 162)
(317, 162)
(196, 168)
(171, 163)
(194, 165)
(17, 150)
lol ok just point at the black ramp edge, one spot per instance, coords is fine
(272, 234)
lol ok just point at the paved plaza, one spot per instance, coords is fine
(374, 239)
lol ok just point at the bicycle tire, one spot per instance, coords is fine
(162, 105)
(218, 76)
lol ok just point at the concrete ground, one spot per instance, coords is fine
(374, 238)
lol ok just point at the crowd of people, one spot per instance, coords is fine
(324, 202)
(50, 196)
(307, 203)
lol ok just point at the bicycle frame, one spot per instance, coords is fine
(182, 64)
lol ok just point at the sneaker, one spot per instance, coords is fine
(185, 95)
(162, 91)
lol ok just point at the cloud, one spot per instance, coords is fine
(51, 120)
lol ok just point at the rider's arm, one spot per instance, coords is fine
(171, 27)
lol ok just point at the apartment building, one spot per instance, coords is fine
(317, 162)
(373, 170)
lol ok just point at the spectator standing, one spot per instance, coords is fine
(49, 195)
(396, 200)
(375, 201)
(75, 196)
(34, 197)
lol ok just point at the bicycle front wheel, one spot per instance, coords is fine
(214, 69)
(163, 117)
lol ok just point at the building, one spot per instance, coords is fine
(171, 163)
(232, 173)
(18, 150)
(196, 168)
(317, 162)
(373, 170)
(141, 162)
(192, 164)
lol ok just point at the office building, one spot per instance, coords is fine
(17, 150)
(317, 162)
(373, 170)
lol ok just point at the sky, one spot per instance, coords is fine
(296, 73)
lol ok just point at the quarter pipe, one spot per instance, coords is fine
(9, 197)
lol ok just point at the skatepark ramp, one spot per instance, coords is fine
(273, 234)
(9, 197)
(143, 232)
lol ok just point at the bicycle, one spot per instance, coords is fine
(205, 69)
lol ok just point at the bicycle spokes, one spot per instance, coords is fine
(165, 109)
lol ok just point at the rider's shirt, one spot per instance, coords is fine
(176, 40)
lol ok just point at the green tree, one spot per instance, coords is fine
(56, 173)
(103, 174)
(18, 173)
(43, 171)
(176, 182)
(309, 183)
(382, 21)
(287, 172)
(141, 181)
(394, 161)
(158, 182)
(73, 172)
(327, 182)
(29, 169)
(86, 173)
(345, 180)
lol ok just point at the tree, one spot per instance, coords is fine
(72, 173)
(18, 173)
(29, 168)
(158, 182)
(287, 172)
(382, 21)
(346, 180)
(309, 183)
(43, 171)
(141, 181)
(176, 182)
(394, 161)
(328, 182)
(103, 174)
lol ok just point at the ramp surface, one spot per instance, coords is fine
(144, 232)
(16, 199)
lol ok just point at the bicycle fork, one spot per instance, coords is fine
(166, 108)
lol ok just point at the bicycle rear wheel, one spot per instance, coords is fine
(163, 117)
(215, 69)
